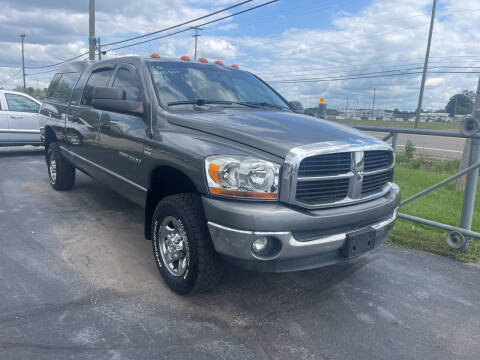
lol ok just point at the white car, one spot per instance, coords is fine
(19, 119)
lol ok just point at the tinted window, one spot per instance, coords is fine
(127, 81)
(53, 85)
(65, 86)
(21, 103)
(97, 79)
(177, 81)
(77, 92)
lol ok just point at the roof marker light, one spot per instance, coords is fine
(218, 62)
(185, 58)
(155, 56)
(203, 60)
(234, 66)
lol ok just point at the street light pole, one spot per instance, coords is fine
(91, 30)
(425, 66)
(373, 106)
(23, 63)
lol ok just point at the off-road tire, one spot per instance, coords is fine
(204, 269)
(65, 172)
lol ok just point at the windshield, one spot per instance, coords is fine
(178, 82)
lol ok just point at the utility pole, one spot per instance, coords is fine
(91, 30)
(196, 35)
(346, 109)
(23, 62)
(425, 66)
(373, 107)
(99, 49)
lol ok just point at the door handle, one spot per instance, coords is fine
(16, 117)
(105, 126)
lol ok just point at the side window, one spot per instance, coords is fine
(65, 85)
(77, 92)
(21, 103)
(53, 85)
(127, 81)
(97, 79)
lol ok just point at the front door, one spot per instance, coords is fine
(23, 119)
(122, 136)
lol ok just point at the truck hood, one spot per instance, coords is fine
(275, 132)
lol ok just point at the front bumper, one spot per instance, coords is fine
(308, 238)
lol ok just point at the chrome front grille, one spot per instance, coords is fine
(321, 191)
(336, 173)
(325, 165)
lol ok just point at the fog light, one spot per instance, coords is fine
(266, 247)
(260, 245)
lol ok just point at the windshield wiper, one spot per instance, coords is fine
(202, 102)
(267, 104)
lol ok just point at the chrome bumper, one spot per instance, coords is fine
(236, 244)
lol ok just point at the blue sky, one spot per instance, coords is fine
(288, 40)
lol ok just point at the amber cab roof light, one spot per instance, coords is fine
(155, 56)
(218, 62)
(234, 66)
(203, 60)
(185, 58)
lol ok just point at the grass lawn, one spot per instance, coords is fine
(442, 205)
(400, 124)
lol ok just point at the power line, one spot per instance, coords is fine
(12, 77)
(367, 77)
(187, 29)
(40, 73)
(178, 25)
(56, 64)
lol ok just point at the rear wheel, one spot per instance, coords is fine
(60, 172)
(182, 247)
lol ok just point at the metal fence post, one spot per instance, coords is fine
(394, 141)
(472, 177)
(470, 186)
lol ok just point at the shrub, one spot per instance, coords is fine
(409, 149)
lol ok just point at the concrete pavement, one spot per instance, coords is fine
(78, 281)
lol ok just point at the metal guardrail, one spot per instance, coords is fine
(458, 237)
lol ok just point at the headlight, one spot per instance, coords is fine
(242, 177)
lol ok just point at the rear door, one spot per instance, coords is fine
(4, 134)
(83, 121)
(23, 119)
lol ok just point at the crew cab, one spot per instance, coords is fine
(224, 166)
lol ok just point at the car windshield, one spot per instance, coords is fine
(191, 84)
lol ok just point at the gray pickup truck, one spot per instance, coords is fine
(224, 166)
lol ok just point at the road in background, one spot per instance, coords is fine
(78, 280)
(430, 146)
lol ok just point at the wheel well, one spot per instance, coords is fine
(49, 137)
(164, 181)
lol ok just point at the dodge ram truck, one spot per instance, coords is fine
(226, 169)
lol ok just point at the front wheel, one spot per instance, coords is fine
(60, 173)
(182, 247)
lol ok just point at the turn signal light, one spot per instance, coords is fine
(234, 66)
(155, 56)
(203, 60)
(185, 58)
(219, 62)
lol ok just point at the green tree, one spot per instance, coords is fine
(460, 104)
(36, 93)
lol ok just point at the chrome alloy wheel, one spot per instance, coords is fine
(52, 170)
(173, 246)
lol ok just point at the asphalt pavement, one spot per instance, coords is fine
(78, 281)
(435, 147)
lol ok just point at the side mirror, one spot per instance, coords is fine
(297, 106)
(113, 99)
